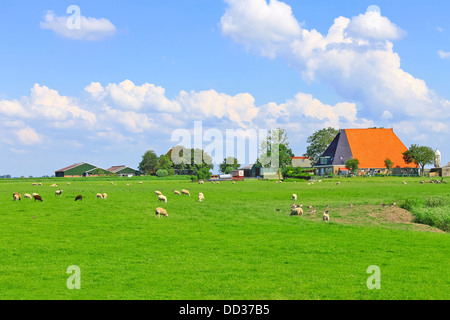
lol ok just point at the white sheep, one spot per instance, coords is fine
(201, 198)
(58, 193)
(54, 185)
(162, 198)
(404, 182)
(338, 183)
(28, 196)
(184, 191)
(68, 183)
(17, 196)
(35, 194)
(296, 212)
(326, 216)
(158, 193)
(105, 196)
(99, 196)
(294, 197)
(201, 182)
(160, 211)
(176, 193)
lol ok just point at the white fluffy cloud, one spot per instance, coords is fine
(256, 23)
(90, 29)
(28, 136)
(49, 104)
(356, 58)
(444, 54)
(126, 95)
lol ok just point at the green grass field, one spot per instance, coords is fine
(234, 245)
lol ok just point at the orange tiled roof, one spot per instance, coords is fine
(372, 146)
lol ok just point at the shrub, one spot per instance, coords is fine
(162, 173)
(204, 174)
(434, 201)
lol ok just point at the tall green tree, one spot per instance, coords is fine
(229, 164)
(352, 165)
(275, 146)
(149, 162)
(388, 164)
(420, 155)
(190, 159)
(319, 142)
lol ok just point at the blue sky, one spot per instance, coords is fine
(138, 70)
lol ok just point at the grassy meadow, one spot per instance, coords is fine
(233, 245)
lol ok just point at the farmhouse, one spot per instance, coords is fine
(371, 147)
(123, 171)
(82, 169)
(302, 162)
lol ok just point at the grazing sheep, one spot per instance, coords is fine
(404, 182)
(184, 191)
(34, 184)
(54, 185)
(294, 197)
(17, 196)
(162, 198)
(68, 183)
(140, 182)
(326, 216)
(234, 182)
(79, 197)
(201, 198)
(58, 193)
(201, 182)
(99, 195)
(105, 196)
(158, 193)
(296, 212)
(39, 184)
(176, 193)
(338, 183)
(38, 198)
(28, 196)
(160, 211)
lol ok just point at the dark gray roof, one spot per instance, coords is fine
(339, 150)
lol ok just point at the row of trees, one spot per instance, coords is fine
(198, 163)
(194, 162)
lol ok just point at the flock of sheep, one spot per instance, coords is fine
(17, 196)
(163, 212)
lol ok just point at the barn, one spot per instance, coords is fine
(82, 169)
(370, 146)
(123, 171)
